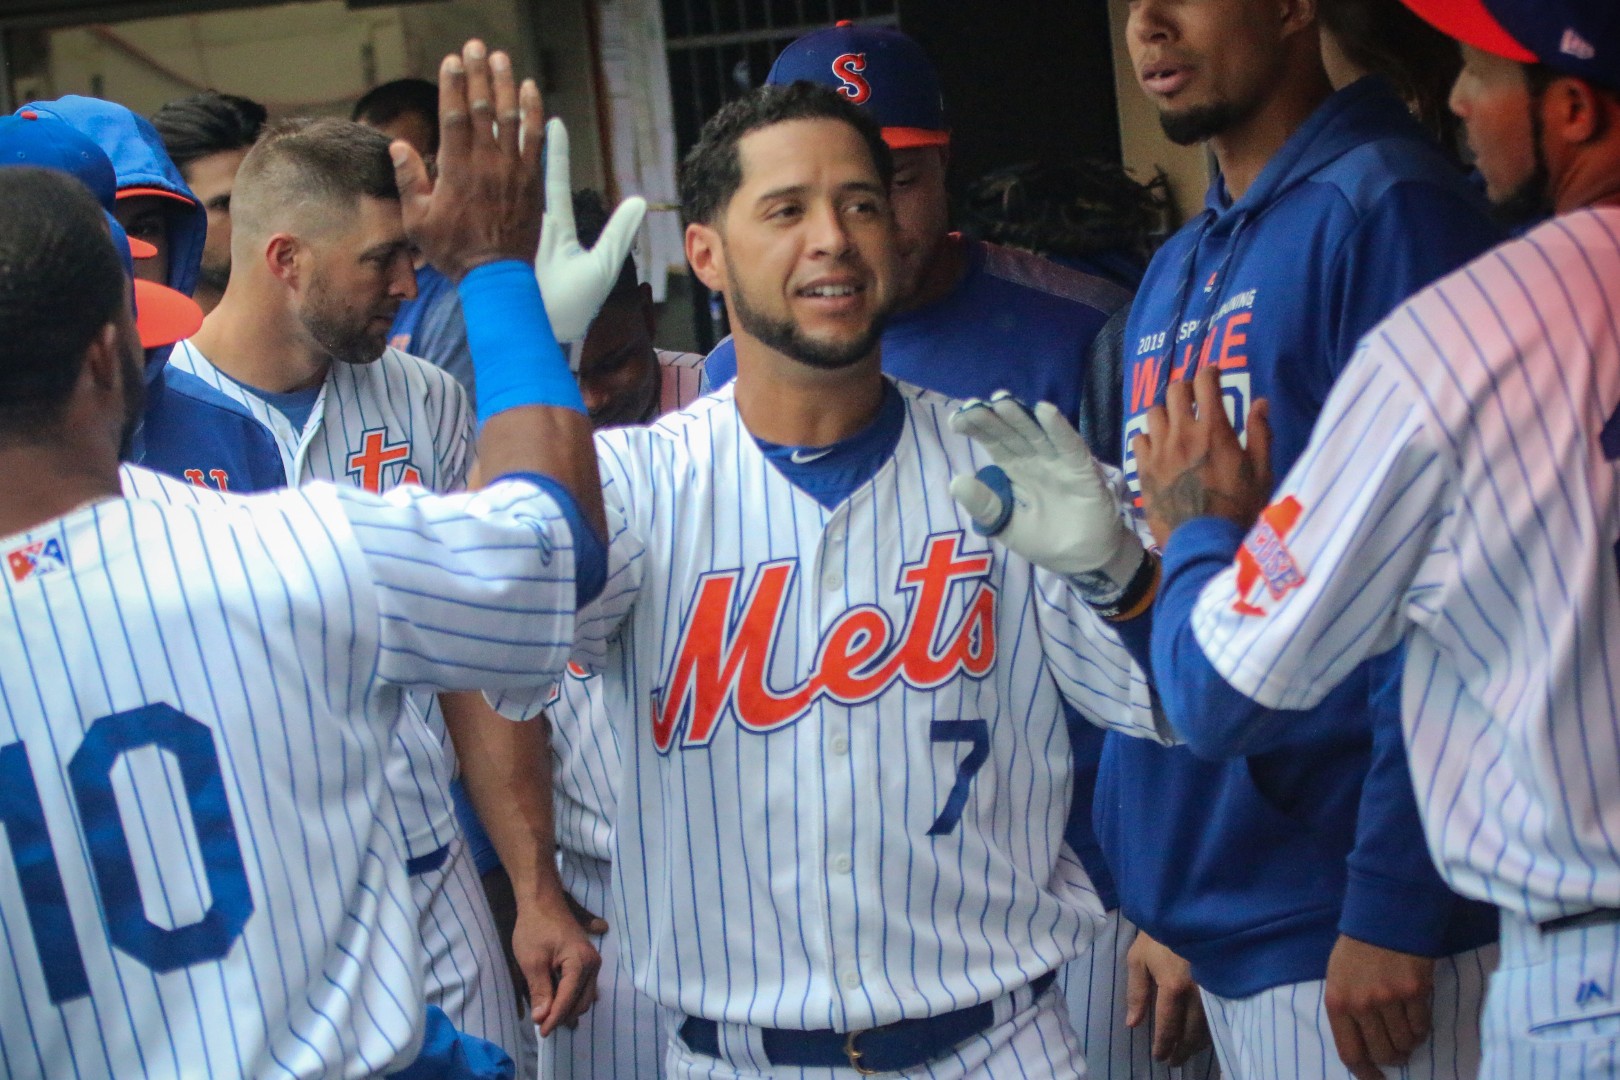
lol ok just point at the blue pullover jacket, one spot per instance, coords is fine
(1251, 868)
(189, 430)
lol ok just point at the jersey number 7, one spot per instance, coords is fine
(90, 777)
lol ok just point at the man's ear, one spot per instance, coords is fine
(707, 256)
(1298, 15)
(283, 258)
(1575, 114)
(104, 360)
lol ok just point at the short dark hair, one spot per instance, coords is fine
(297, 163)
(1384, 37)
(386, 103)
(61, 282)
(590, 218)
(712, 171)
(208, 123)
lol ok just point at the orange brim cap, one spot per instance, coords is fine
(164, 316)
(905, 138)
(1472, 24)
(162, 193)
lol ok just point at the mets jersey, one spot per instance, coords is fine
(846, 768)
(1460, 491)
(399, 420)
(194, 716)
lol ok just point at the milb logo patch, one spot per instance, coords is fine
(1265, 559)
(35, 560)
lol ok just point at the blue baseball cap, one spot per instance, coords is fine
(45, 142)
(1573, 37)
(162, 315)
(878, 68)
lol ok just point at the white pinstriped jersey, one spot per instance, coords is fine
(399, 420)
(587, 761)
(195, 708)
(846, 769)
(1460, 491)
(585, 748)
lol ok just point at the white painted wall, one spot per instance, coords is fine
(317, 58)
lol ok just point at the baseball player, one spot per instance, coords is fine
(203, 882)
(1294, 881)
(207, 135)
(623, 379)
(342, 412)
(977, 317)
(1459, 495)
(188, 429)
(838, 837)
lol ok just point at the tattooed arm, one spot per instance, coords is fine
(1192, 465)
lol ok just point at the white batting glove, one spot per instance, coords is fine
(1045, 497)
(574, 282)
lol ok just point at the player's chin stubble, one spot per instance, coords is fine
(342, 340)
(785, 337)
(1200, 123)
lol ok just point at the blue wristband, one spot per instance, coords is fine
(515, 355)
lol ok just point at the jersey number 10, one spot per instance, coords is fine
(90, 776)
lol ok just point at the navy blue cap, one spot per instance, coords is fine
(878, 68)
(1573, 37)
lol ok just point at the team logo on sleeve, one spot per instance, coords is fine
(372, 466)
(848, 68)
(554, 695)
(1265, 559)
(35, 560)
(723, 659)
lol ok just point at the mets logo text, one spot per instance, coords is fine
(722, 660)
(36, 559)
(1265, 558)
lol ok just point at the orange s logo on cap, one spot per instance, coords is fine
(1265, 558)
(848, 68)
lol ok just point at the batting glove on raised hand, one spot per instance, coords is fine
(573, 281)
(1045, 497)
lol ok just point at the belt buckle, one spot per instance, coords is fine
(854, 1054)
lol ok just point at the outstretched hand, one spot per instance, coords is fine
(1192, 464)
(1046, 497)
(485, 204)
(575, 281)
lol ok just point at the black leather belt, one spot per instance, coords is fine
(1585, 918)
(904, 1044)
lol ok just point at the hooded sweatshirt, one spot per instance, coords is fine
(1251, 868)
(189, 430)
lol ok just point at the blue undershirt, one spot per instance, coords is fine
(295, 405)
(830, 474)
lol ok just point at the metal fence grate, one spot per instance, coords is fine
(720, 48)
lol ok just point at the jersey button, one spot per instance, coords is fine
(852, 979)
(839, 745)
(832, 580)
(842, 864)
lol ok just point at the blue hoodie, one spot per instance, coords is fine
(1251, 868)
(189, 429)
